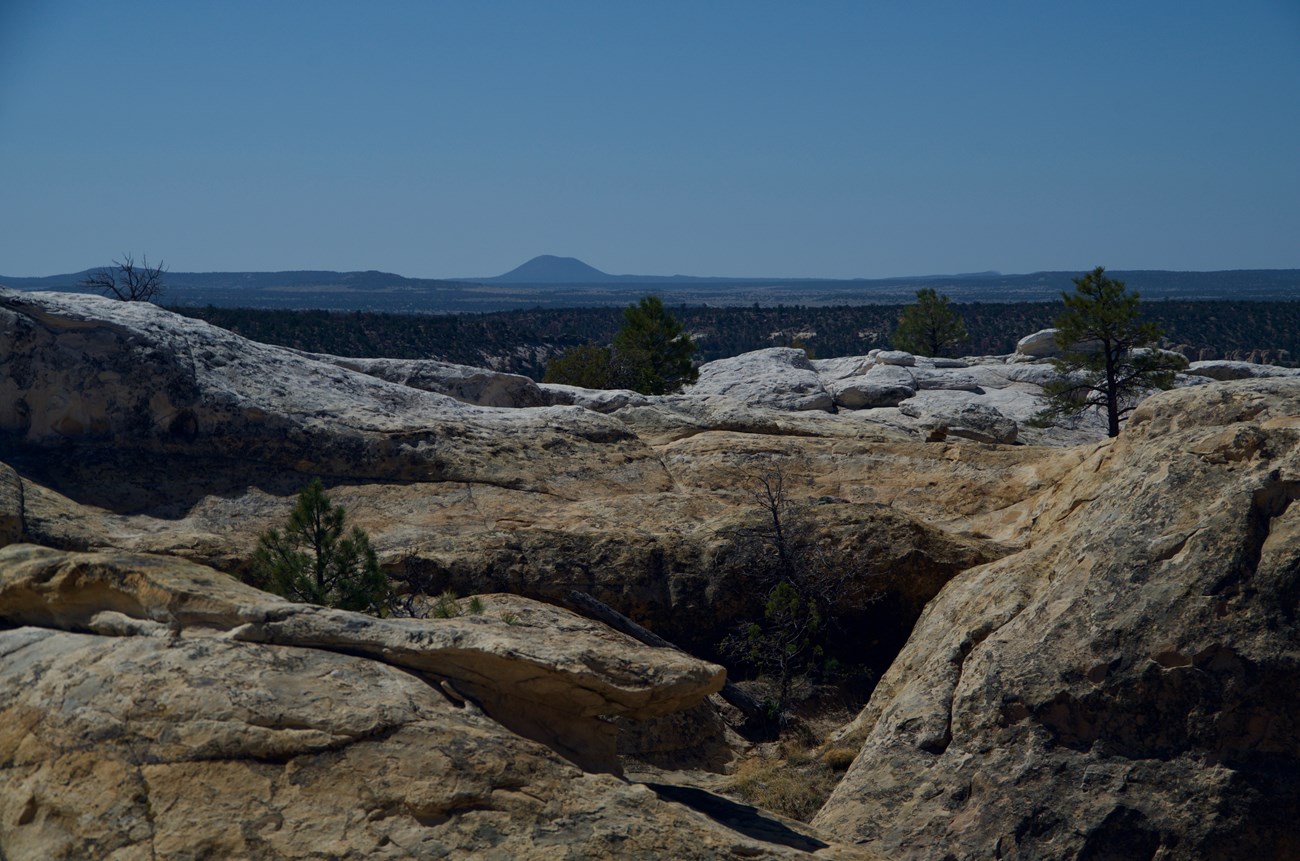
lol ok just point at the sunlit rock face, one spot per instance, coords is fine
(156, 708)
(1107, 669)
(1127, 684)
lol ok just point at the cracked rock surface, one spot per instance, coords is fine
(156, 709)
(1126, 686)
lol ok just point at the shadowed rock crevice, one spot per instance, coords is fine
(743, 818)
(551, 676)
(1140, 699)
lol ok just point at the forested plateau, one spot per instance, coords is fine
(523, 341)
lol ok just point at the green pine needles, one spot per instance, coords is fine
(314, 561)
(652, 354)
(1109, 360)
(929, 326)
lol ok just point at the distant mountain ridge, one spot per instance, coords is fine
(550, 281)
(549, 269)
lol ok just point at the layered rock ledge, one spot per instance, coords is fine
(156, 708)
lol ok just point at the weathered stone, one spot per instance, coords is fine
(152, 747)
(779, 377)
(896, 357)
(880, 385)
(130, 375)
(546, 675)
(1126, 685)
(970, 420)
(598, 400)
(479, 386)
(946, 380)
(857, 393)
(1040, 345)
(841, 367)
(941, 362)
(1223, 370)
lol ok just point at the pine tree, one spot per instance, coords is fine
(654, 350)
(651, 354)
(929, 327)
(590, 366)
(1108, 359)
(314, 562)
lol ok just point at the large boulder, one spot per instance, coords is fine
(598, 400)
(946, 380)
(1126, 685)
(479, 386)
(1222, 369)
(968, 419)
(779, 377)
(153, 709)
(856, 393)
(900, 358)
(1039, 345)
(132, 376)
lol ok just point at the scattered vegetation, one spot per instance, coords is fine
(315, 561)
(126, 281)
(930, 326)
(1109, 357)
(525, 341)
(804, 584)
(793, 777)
(448, 606)
(651, 354)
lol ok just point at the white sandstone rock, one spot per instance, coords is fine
(1223, 369)
(896, 357)
(778, 377)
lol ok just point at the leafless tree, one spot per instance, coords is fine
(126, 281)
(804, 581)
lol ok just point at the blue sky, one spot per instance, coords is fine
(833, 139)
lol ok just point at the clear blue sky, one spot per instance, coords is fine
(832, 139)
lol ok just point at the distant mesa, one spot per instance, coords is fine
(549, 269)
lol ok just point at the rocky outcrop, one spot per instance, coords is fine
(90, 371)
(778, 377)
(1227, 370)
(1126, 685)
(158, 709)
(479, 386)
(1107, 671)
(547, 674)
(598, 400)
(1039, 345)
(970, 421)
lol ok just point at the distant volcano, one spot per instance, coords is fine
(549, 269)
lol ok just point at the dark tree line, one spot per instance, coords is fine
(524, 341)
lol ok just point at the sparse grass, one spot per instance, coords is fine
(511, 618)
(839, 758)
(793, 779)
(446, 606)
(794, 791)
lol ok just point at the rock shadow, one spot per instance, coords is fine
(743, 818)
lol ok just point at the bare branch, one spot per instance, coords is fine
(128, 282)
